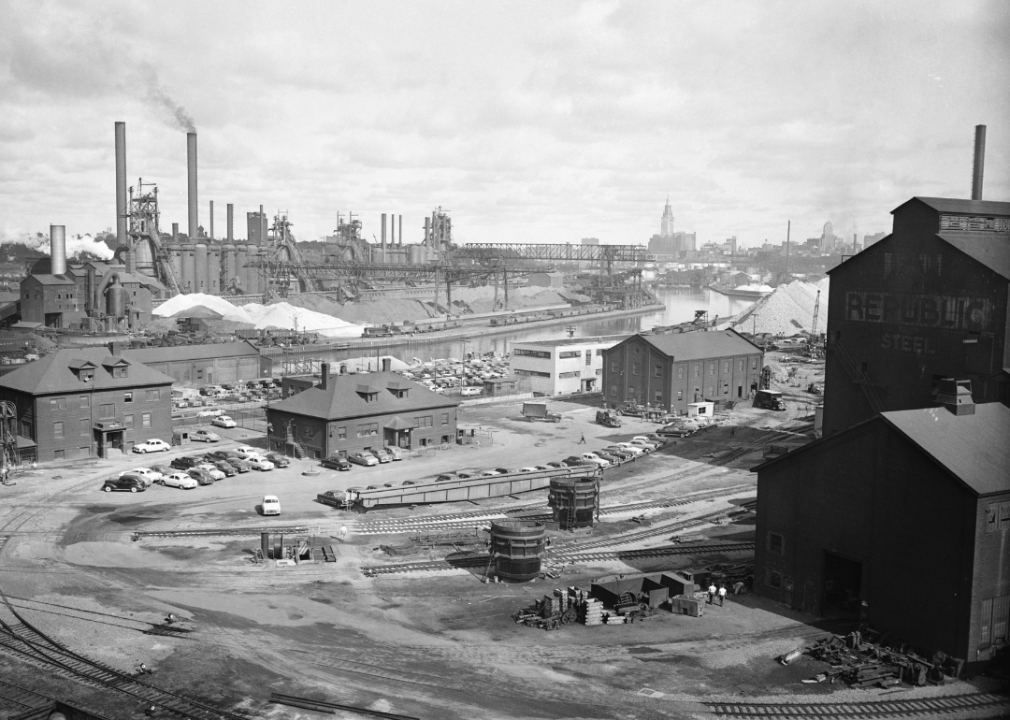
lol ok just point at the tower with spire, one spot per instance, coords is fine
(666, 227)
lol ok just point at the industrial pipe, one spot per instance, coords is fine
(977, 172)
(194, 210)
(122, 211)
(96, 299)
(57, 250)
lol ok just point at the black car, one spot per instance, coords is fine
(186, 462)
(124, 482)
(279, 460)
(227, 468)
(336, 462)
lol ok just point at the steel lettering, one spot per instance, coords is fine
(946, 312)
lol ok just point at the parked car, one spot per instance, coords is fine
(633, 448)
(336, 462)
(621, 452)
(259, 463)
(394, 452)
(528, 469)
(239, 464)
(131, 483)
(595, 459)
(281, 461)
(271, 505)
(612, 459)
(185, 462)
(201, 476)
(488, 473)
(576, 461)
(362, 458)
(162, 470)
(445, 477)
(470, 391)
(504, 471)
(148, 475)
(227, 468)
(246, 451)
(179, 480)
(202, 435)
(644, 444)
(381, 455)
(152, 445)
(223, 421)
(553, 465)
(466, 474)
(214, 471)
(542, 467)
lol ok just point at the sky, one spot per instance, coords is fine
(526, 121)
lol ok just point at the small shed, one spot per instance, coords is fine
(701, 408)
(501, 386)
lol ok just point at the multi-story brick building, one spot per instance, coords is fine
(674, 370)
(563, 366)
(86, 402)
(344, 413)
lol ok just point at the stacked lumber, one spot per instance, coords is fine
(590, 612)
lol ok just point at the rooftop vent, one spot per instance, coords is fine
(955, 395)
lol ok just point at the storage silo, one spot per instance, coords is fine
(189, 283)
(241, 253)
(227, 265)
(255, 278)
(214, 269)
(201, 283)
(115, 300)
(517, 547)
(175, 258)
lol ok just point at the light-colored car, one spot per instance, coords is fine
(214, 470)
(148, 475)
(470, 391)
(394, 452)
(179, 480)
(152, 445)
(202, 435)
(247, 453)
(632, 448)
(381, 455)
(596, 459)
(529, 469)
(271, 505)
(258, 463)
(644, 443)
(223, 421)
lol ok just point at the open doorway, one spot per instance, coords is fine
(843, 584)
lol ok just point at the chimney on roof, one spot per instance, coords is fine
(386, 362)
(343, 368)
(955, 395)
(324, 371)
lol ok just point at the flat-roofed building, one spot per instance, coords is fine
(563, 366)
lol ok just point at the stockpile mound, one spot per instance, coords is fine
(377, 312)
(197, 305)
(787, 311)
(278, 316)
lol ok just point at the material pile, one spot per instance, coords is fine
(787, 311)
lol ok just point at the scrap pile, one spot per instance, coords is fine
(861, 663)
(566, 606)
(549, 613)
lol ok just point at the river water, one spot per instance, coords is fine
(681, 304)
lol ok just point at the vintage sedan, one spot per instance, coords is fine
(179, 480)
(281, 461)
(130, 483)
(148, 475)
(201, 476)
(362, 458)
(336, 462)
(223, 421)
(152, 445)
(202, 435)
(259, 463)
(215, 472)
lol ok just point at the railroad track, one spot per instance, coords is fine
(905, 707)
(481, 561)
(16, 697)
(225, 532)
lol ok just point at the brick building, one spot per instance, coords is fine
(674, 370)
(927, 302)
(344, 413)
(86, 402)
(904, 518)
(207, 364)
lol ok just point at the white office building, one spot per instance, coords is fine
(564, 366)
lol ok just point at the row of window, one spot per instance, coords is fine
(531, 373)
(82, 402)
(545, 354)
(571, 374)
(636, 368)
(84, 425)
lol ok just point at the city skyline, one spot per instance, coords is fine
(579, 124)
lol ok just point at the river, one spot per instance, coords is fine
(681, 304)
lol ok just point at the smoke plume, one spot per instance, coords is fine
(75, 244)
(160, 99)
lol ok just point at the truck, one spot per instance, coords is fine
(538, 411)
(608, 419)
(769, 399)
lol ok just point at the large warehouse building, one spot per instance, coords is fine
(927, 302)
(208, 364)
(674, 370)
(903, 519)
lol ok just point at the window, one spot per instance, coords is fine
(423, 421)
(84, 402)
(107, 410)
(154, 395)
(544, 354)
(888, 264)
(342, 432)
(739, 365)
(774, 579)
(445, 418)
(128, 397)
(58, 430)
(636, 368)
(27, 429)
(369, 397)
(613, 391)
(85, 426)
(570, 374)
(445, 439)
(680, 395)
(368, 429)
(119, 372)
(614, 366)
(58, 403)
(589, 357)
(658, 372)
(711, 368)
(599, 371)
(59, 454)
(696, 370)
(531, 373)
(776, 543)
(599, 352)
(145, 420)
(680, 372)
(128, 420)
(997, 516)
(659, 396)
(725, 366)
(753, 363)
(569, 354)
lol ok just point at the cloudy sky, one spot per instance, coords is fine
(528, 121)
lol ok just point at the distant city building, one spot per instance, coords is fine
(590, 241)
(668, 242)
(666, 223)
(871, 239)
(561, 367)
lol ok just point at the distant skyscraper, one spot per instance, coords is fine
(666, 227)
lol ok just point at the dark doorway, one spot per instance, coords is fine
(843, 583)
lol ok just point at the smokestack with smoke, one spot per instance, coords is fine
(194, 217)
(173, 111)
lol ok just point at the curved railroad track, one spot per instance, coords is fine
(905, 707)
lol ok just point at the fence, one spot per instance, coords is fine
(251, 419)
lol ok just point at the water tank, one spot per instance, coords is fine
(517, 547)
(188, 283)
(214, 269)
(143, 258)
(254, 274)
(417, 254)
(115, 300)
(202, 283)
(241, 253)
(227, 265)
(175, 259)
(574, 501)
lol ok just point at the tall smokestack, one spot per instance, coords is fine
(400, 234)
(976, 176)
(211, 219)
(58, 248)
(392, 231)
(121, 202)
(383, 234)
(231, 222)
(194, 209)
(175, 233)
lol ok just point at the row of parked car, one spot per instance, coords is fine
(367, 458)
(190, 471)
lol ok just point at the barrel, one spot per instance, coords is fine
(517, 547)
(574, 500)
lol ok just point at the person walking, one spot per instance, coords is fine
(722, 594)
(711, 593)
(343, 532)
(582, 441)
